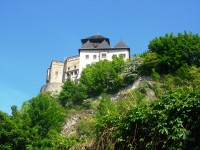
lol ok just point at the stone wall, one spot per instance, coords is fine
(56, 72)
(71, 68)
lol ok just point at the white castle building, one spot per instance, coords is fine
(93, 49)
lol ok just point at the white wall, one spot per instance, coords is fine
(98, 53)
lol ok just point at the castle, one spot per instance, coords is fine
(93, 49)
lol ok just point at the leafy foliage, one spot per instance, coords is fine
(155, 75)
(168, 53)
(131, 70)
(106, 120)
(103, 76)
(165, 124)
(109, 76)
(35, 126)
(118, 63)
(46, 114)
(150, 60)
(106, 107)
(169, 121)
(72, 94)
(6, 126)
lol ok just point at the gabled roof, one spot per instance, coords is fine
(87, 45)
(121, 44)
(104, 44)
(95, 38)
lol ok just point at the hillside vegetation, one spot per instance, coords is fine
(161, 111)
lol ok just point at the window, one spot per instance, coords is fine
(67, 74)
(94, 56)
(68, 68)
(74, 67)
(103, 55)
(75, 72)
(56, 73)
(86, 56)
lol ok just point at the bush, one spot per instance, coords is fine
(169, 123)
(131, 70)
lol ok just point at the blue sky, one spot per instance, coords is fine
(33, 33)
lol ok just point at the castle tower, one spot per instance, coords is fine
(55, 72)
(54, 77)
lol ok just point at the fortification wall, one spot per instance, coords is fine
(56, 72)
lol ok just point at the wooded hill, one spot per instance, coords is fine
(161, 112)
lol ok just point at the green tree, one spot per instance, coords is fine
(149, 60)
(14, 131)
(171, 52)
(72, 93)
(101, 77)
(6, 127)
(45, 114)
(118, 63)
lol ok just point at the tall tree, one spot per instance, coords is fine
(45, 114)
(102, 76)
(36, 126)
(171, 52)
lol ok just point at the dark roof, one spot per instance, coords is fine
(121, 44)
(95, 38)
(104, 44)
(87, 45)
